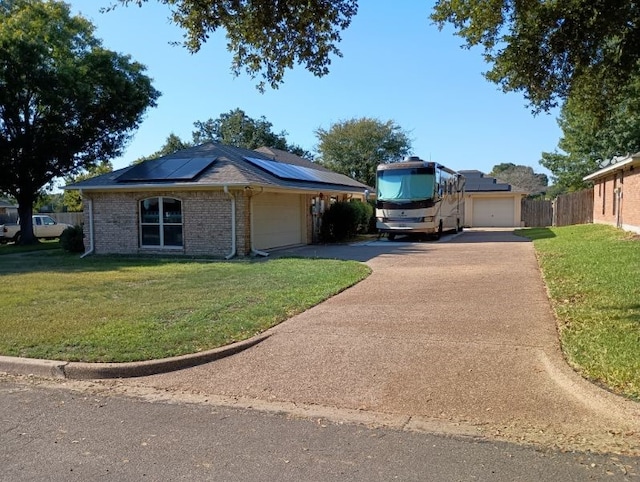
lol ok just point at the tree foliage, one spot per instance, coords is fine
(355, 147)
(588, 141)
(65, 101)
(521, 177)
(266, 37)
(72, 199)
(236, 128)
(172, 144)
(48, 202)
(551, 50)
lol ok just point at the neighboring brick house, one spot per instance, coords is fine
(210, 200)
(616, 193)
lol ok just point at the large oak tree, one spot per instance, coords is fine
(355, 147)
(65, 101)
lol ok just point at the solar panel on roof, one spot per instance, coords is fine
(185, 169)
(300, 173)
(192, 168)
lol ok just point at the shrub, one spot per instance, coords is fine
(364, 213)
(339, 222)
(71, 239)
(372, 220)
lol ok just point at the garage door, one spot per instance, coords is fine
(277, 220)
(493, 212)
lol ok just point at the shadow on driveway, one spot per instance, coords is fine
(367, 250)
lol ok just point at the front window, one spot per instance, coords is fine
(406, 184)
(161, 222)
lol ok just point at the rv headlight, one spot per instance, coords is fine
(428, 219)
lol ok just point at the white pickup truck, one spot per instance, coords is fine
(43, 227)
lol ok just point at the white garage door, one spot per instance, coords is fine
(493, 212)
(277, 220)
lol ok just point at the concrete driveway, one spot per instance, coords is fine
(452, 336)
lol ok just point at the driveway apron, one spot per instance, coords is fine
(455, 336)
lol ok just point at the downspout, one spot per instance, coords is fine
(233, 223)
(91, 238)
(254, 251)
(619, 201)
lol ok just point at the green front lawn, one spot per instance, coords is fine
(593, 276)
(111, 309)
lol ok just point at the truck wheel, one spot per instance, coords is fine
(17, 238)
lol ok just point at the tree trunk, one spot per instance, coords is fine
(25, 212)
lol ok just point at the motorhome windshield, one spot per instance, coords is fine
(408, 184)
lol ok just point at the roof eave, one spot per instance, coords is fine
(201, 187)
(633, 160)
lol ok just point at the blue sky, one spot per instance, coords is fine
(396, 65)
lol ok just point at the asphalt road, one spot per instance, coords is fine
(79, 431)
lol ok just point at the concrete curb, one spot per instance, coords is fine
(86, 371)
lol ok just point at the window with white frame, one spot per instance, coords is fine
(161, 222)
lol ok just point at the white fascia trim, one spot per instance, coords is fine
(618, 166)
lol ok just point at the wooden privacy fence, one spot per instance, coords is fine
(573, 208)
(537, 212)
(565, 210)
(68, 218)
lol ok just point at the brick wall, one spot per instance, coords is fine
(607, 202)
(206, 219)
(631, 200)
(206, 222)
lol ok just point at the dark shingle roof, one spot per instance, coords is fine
(476, 181)
(228, 166)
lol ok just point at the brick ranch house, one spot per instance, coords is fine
(210, 200)
(616, 193)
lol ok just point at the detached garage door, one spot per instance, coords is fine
(277, 220)
(493, 212)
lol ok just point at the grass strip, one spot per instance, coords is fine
(43, 245)
(116, 309)
(592, 273)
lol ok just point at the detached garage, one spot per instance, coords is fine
(490, 204)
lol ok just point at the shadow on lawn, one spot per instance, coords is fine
(57, 260)
(535, 233)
